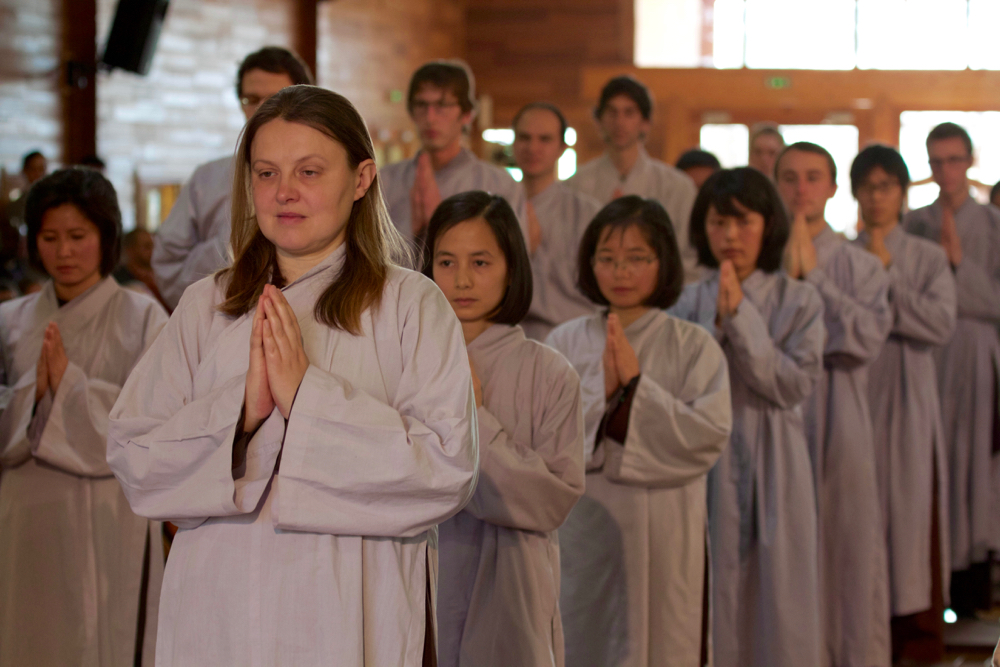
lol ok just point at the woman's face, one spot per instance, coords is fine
(626, 267)
(737, 238)
(471, 270)
(304, 188)
(69, 246)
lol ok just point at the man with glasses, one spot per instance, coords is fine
(969, 232)
(441, 102)
(193, 241)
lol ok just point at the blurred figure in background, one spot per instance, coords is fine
(135, 270)
(766, 144)
(699, 165)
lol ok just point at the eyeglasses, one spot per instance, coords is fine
(421, 107)
(953, 161)
(633, 264)
(883, 188)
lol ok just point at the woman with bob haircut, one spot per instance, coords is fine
(657, 414)
(761, 496)
(306, 417)
(498, 592)
(80, 572)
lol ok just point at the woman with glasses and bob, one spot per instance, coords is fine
(657, 416)
(910, 460)
(306, 417)
(761, 496)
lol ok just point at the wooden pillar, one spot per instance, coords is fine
(885, 122)
(79, 82)
(680, 128)
(306, 21)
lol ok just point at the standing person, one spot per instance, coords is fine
(442, 102)
(905, 408)
(34, 166)
(766, 144)
(761, 496)
(193, 242)
(81, 573)
(563, 214)
(498, 592)
(623, 116)
(135, 270)
(969, 233)
(313, 348)
(657, 411)
(854, 578)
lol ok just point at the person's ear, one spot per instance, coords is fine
(364, 177)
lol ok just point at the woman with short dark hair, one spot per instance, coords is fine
(657, 416)
(79, 572)
(761, 496)
(498, 590)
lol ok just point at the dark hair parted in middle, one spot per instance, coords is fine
(452, 76)
(92, 195)
(631, 88)
(753, 190)
(276, 60)
(500, 217)
(884, 157)
(654, 223)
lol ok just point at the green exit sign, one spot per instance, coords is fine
(778, 82)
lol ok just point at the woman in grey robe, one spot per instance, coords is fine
(79, 572)
(498, 591)
(761, 497)
(657, 410)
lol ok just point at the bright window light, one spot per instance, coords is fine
(515, 173)
(570, 136)
(567, 164)
(728, 142)
(950, 616)
(499, 135)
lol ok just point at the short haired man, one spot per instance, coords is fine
(699, 165)
(969, 232)
(766, 143)
(193, 241)
(854, 585)
(441, 102)
(623, 115)
(539, 142)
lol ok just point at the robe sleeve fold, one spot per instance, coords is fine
(782, 372)
(674, 439)
(18, 404)
(924, 313)
(533, 486)
(980, 292)
(856, 325)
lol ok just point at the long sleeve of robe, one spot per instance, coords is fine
(193, 241)
(967, 366)
(906, 417)
(854, 577)
(761, 496)
(75, 559)
(633, 548)
(499, 558)
(326, 554)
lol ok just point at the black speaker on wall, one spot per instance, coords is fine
(134, 33)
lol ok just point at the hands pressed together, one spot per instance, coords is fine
(424, 195)
(278, 361)
(730, 292)
(620, 363)
(949, 237)
(52, 362)
(800, 253)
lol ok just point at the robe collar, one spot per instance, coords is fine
(641, 165)
(332, 263)
(826, 243)
(496, 336)
(78, 312)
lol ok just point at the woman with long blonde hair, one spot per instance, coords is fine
(306, 417)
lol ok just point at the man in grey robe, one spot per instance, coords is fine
(441, 102)
(193, 241)
(623, 114)
(854, 585)
(967, 366)
(563, 215)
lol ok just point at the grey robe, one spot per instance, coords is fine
(967, 375)
(71, 550)
(650, 179)
(465, 172)
(906, 414)
(563, 215)
(327, 559)
(498, 590)
(193, 242)
(761, 496)
(633, 548)
(854, 577)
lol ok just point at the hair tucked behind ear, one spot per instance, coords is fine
(373, 244)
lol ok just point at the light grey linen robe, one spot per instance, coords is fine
(328, 558)
(498, 589)
(193, 242)
(563, 215)
(854, 577)
(651, 179)
(465, 172)
(967, 374)
(906, 415)
(761, 496)
(71, 550)
(633, 548)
